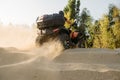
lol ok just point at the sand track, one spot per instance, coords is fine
(75, 64)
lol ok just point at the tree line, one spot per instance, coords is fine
(104, 33)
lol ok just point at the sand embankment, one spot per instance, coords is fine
(74, 64)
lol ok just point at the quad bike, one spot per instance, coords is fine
(62, 34)
(51, 26)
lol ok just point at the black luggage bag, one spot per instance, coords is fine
(52, 20)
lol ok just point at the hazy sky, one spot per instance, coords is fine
(26, 11)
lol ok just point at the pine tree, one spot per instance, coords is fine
(77, 9)
(86, 26)
(105, 38)
(113, 13)
(109, 33)
(71, 11)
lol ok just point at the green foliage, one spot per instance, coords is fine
(86, 25)
(104, 33)
(72, 9)
(77, 8)
(109, 34)
(104, 38)
(116, 30)
(85, 16)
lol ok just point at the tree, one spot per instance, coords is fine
(109, 33)
(116, 26)
(95, 34)
(113, 13)
(72, 11)
(105, 38)
(86, 25)
(77, 9)
(116, 30)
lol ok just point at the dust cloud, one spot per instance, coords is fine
(22, 38)
(19, 54)
(18, 37)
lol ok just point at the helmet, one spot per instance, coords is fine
(61, 12)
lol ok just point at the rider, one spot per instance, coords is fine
(69, 31)
(78, 36)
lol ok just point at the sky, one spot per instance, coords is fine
(26, 11)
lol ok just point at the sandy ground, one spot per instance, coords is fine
(21, 60)
(74, 64)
